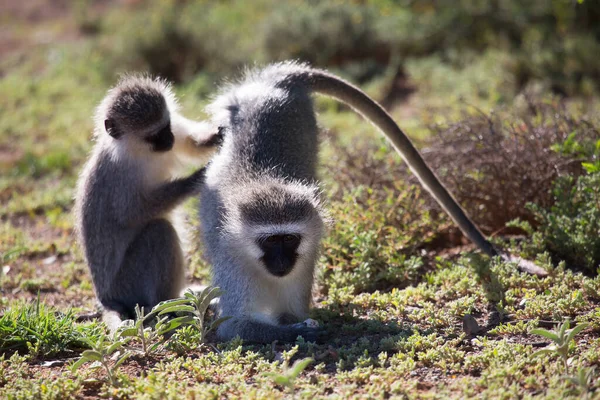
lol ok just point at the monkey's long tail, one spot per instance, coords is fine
(330, 85)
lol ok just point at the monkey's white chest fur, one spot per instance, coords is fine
(274, 300)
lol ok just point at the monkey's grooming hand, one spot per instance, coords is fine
(203, 140)
(196, 180)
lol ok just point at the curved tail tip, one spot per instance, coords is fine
(525, 265)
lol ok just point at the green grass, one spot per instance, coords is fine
(40, 331)
(394, 283)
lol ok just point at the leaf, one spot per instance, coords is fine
(279, 379)
(160, 322)
(299, 366)
(127, 332)
(122, 359)
(177, 308)
(571, 379)
(95, 365)
(563, 328)
(216, 323)
(155, 346)
(166, 304)
(547, 334)
(190, 295)
(213, 294)
(174, 324)
(544, 351)
(591, 167)
(77, 364)
(113, 347)
(92, 355)
(571, 333)
(139, 312)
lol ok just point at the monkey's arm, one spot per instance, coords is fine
(195, 140)
(161, 199)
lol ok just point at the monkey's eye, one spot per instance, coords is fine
(290, 238)
(278, 240)
(272, 239)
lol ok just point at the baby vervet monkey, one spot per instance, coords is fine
(128, 191)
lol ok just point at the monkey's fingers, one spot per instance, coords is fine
(214, 140)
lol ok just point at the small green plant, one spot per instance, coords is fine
(151, 338)
(288, 377)
(584, 380)
(184, 340)
(373, 252)
(561, 337)
(5, 258)
(192, 308)
(107, 354)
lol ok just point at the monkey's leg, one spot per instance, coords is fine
(255, 331)
(153, 268)
(287, 319)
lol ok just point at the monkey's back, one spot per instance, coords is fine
(270, 126)
(104, 239)
(270, 137)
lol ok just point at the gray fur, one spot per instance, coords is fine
(264, 176)
(126, 195)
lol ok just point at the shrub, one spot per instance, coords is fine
(327, 34)
(374, 236)
(570, 229)
(177, 40)
(494, 168)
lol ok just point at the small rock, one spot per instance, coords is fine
(53, 363)
(470, 325)
(522, 303)
(49, 260)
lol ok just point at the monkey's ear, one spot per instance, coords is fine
(111, 129)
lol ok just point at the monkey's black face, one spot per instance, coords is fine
(279, 253)
(163, 140)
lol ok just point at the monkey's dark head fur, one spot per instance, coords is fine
(139, 106)
(277, 205)
(279, 218)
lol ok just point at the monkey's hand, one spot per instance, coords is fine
(196, 180)
(309, 330)
(213, 139)
(196, 141)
